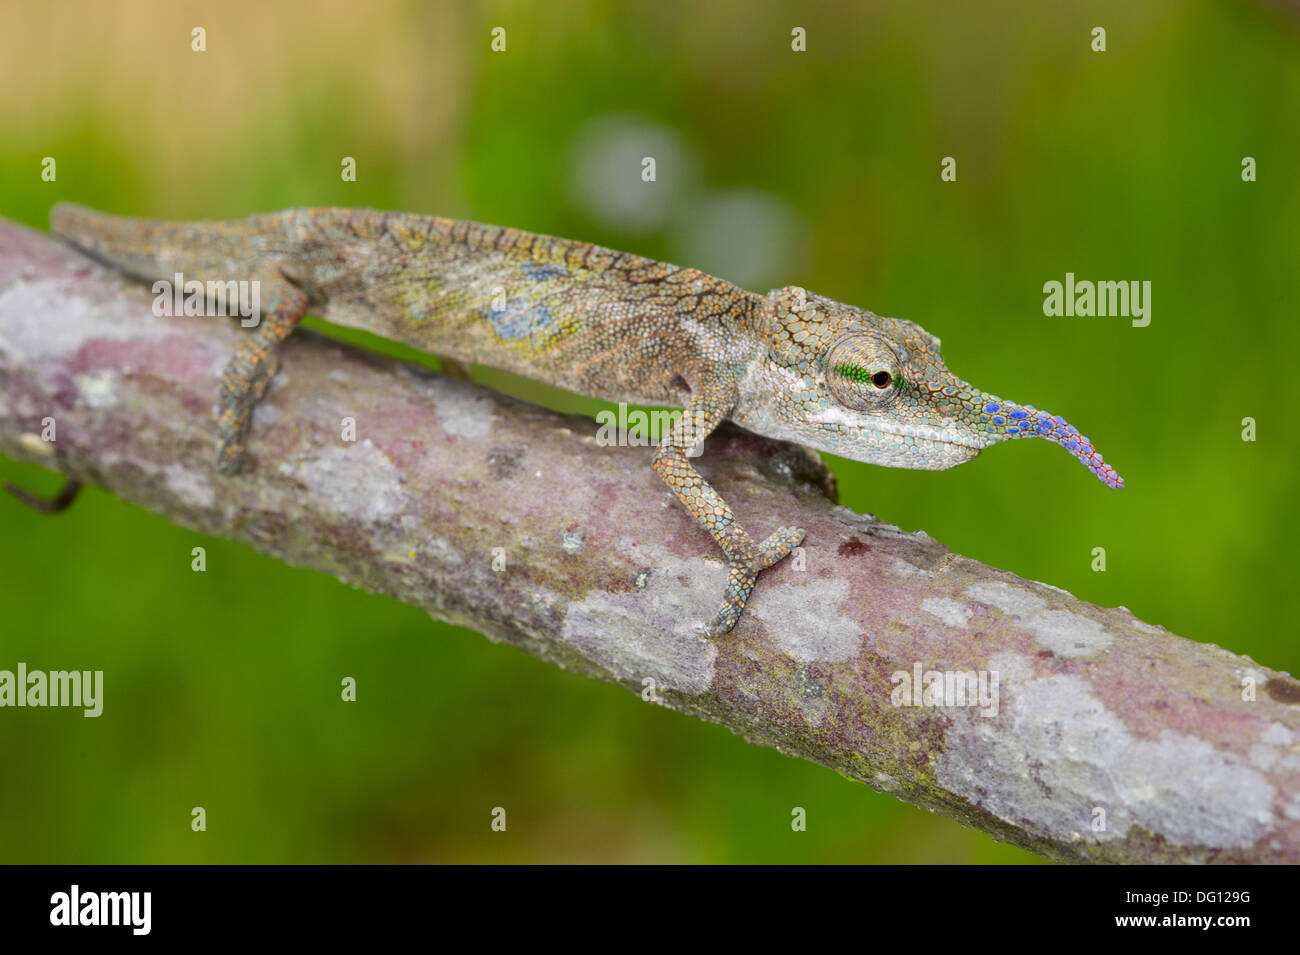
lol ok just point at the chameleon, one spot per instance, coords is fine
(789, 365)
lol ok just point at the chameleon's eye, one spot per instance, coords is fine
(880, 378)
(861, 370)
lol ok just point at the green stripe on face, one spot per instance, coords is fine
(854, 373)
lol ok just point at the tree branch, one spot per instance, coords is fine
(1112, 740)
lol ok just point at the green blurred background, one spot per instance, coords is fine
(819, 169)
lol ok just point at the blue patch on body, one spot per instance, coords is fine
(520, 318)
(541, 273)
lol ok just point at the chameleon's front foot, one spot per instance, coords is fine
(744, 570)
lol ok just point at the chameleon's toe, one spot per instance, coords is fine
(232, 430)
(778, 545)
(230, 457)
(744, 574)
(740, 584)
(262, 380)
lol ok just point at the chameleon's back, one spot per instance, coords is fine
(571, 314)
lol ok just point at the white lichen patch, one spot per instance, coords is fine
(1064, 632)
(1011, 667)
(885, 783)
(1007, 598)
(29, 335)
(638, 635)
(1276, 742)
(97, 389)
(1292, 809)
(951, 612)
(190, 486)
(1277, 734)
(461, 412)
(1056, 754)
(1068, 634)
(906, 568)
(804, 620)
(358, 480)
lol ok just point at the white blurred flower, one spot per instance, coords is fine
(606, 181)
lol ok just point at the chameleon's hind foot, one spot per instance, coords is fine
(235, 415)
(744, 574)
(245, 380)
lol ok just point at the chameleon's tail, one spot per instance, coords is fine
(143, 248)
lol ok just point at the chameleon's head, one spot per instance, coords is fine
(875, 389)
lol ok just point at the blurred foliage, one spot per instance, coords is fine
(222, 688)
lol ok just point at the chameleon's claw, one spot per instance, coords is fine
(744, 573)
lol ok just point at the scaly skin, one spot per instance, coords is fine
(605, 324)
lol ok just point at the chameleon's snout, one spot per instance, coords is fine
(1004, 420)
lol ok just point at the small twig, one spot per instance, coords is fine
(54, 504)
